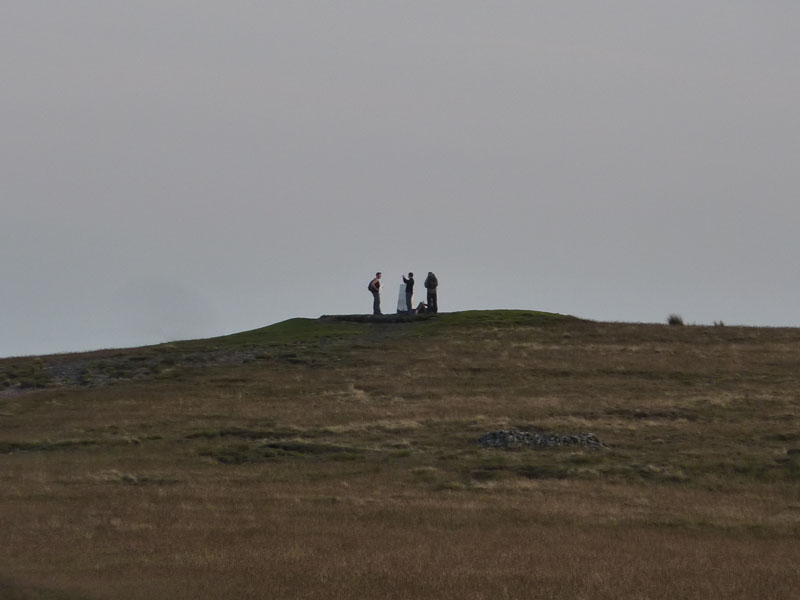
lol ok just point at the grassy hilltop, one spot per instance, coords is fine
(337, 458)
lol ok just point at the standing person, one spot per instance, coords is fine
(409, 292)
(375, 288)
(431, 283)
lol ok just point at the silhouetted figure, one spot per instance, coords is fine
(431, 283)
(409, 292)
(375, 288)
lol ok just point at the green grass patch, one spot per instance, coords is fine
(497, 319)
(292, 330)
(241, 432)
(13, 591)
(243, 452)
(46, 446)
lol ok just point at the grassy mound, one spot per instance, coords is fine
(339, 458)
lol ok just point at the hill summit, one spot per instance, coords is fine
(446, 457)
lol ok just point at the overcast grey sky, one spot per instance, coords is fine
(177, 169)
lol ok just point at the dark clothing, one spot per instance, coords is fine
(376, 303)
(431, 283)
(409, 293)
(433, 303)
(409, 285)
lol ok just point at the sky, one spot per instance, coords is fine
(175, 169)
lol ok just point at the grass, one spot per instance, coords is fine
(292, 330)
(338, 459)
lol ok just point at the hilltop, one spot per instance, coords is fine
(116, 365)
(339, 458)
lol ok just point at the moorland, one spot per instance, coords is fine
(338, 458)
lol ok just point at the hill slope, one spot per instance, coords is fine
(338, 458)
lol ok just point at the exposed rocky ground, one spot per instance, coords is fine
(517, 439)
(385, 318)
(103, 367)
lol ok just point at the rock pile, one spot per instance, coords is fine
(517, 439)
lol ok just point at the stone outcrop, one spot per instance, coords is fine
(519, 439)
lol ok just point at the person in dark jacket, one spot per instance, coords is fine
(375, 288)
(431, 283)
(409, 292)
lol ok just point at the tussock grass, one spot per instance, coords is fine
(339, 460)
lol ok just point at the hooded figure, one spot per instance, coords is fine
(431, 283)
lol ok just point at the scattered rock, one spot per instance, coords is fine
(517, 439)
(385, 318)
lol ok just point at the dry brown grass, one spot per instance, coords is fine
(344, 466)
